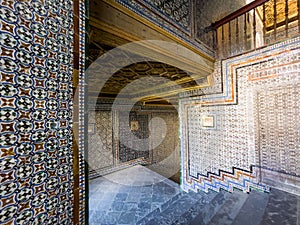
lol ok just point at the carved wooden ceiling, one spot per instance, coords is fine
(150, 70)
(148, 81)
(139, 60)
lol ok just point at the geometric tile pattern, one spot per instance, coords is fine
(232, 145)
(170, 141)
(279, 127)
(111, 125)
(82, 204)
(100, 142)
(266, 69)
(237, 179)
(175, 17)
(138, 146)
(176, 13)
(166, 156)
(36, 172)
(173, 11)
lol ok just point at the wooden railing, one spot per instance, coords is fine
(257, 24)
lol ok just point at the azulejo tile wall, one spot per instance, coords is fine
(166, 156)
(177, 13)
(36, 89)
(174, 13)
(230, 154)
(105, 142)
(100, 141)
(135, 148)
(81, 155)
(174, 16)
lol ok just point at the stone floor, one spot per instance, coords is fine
(138, 195)
(127, 196)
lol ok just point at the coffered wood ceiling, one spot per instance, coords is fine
(177, 71)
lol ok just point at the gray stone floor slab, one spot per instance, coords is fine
(140, 196)
(127, 196)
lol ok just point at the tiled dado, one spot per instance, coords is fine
(226, 155)
(108, 141)
(36, 92)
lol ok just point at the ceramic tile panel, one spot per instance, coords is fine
(170, 141)
(36, 91)
(258, 85)
(166, 155)
(278, 113)
(175, 13)
(81, 91)
(105, 142)
(277, 136)
(100, 140)
(217, 87)
(133, 142)
(174, 16)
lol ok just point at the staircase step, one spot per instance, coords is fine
(253, 209)
(224, 208)
(156, 213)
(206, 210)
(229, 209)
(189, 207)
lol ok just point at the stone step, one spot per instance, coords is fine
(253, 209)
(206, 210)
(156, 212)
(230, 209)
(186, 208)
